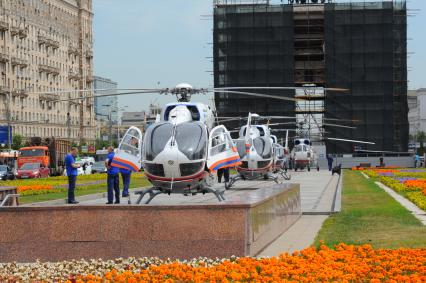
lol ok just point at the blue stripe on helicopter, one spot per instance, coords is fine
(121, 164)
(229, 162)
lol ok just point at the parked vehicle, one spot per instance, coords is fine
(99, 167)
(32, 170)
(88, 159)
(49, 152)
(6, 173)
(85, 168)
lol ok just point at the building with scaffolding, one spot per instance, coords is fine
(358, 46)
(46, 48)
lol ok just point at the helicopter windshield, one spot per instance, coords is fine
(156, 138)
(191, 139)
(263, 147)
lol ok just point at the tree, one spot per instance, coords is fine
(16, 141)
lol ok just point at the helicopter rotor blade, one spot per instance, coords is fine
(96, 90)
(258, 95)
(338, 126)
(346, 140)
(283, 88)
(101, 95)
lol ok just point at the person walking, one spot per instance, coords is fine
(71, 168)
(112, 179)
(330, 162)
(223, 172)
(416, 160)
(125, 176)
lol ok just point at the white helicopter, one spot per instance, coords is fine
(261, 155)
(303, 155)
(183, 150)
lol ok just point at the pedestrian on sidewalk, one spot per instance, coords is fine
(330, 162)
(72, 173)
(113, 180)
(125, 176)
(223, 172)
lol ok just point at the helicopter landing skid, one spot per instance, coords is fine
(153, 192)
(239, 177)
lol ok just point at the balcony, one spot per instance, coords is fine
(73, 75)
(4, 90)
(14, 31)
(20, 93)
(89, 54)
(3, 25)
(48, 69)
(48, 42)
(41, 39)
(49, 96)
(4, 58)
(19, 62)
(20, 32)
(73, 50)
(23, 33)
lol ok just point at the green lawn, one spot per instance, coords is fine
(136, 182)
(370, 216)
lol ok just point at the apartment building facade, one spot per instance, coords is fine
(46, 50)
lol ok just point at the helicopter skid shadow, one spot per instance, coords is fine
(233, 180)
(153, 192)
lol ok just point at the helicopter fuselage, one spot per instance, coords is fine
(256, 151)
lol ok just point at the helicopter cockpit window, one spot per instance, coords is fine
(241, 147)
(279, 152)
(261, 131)
(156, 138)
(191, 139)
(263, 147)
(130, 142)
(220, 142)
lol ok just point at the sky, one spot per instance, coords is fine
(149, 44)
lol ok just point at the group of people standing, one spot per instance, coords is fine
(113, 178)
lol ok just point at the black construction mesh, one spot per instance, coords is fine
(365, 47)
(253, 46)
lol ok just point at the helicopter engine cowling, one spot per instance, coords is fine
(180, 114)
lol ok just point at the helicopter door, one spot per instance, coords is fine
(222, 151)
(129, 154)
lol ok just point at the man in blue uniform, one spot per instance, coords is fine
(113, 178)
(71, 168)
(125, 176)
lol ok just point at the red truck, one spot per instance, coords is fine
(49, 152)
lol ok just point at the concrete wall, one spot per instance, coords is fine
(242, 226)
(349, 162)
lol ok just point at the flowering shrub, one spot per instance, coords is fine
(392, 183)
(35, 189)
(415, 185)
(58, 184)
(345, 263)
(411, 188)
(418, 198)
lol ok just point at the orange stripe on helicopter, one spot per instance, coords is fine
(132, 165)
(227, 162)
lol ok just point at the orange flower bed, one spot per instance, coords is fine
(415, 184)
(34, 188)
(343, 264)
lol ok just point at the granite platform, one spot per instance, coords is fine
(243, 225)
